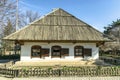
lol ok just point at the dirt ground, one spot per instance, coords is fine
(53, 63)
(63, 78)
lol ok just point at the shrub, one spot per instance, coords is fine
(14, 56)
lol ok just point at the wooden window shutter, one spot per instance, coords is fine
(87, 52)
(65, 52)
(45, 52)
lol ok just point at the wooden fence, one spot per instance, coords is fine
(67, 71)
(111, 60)
(9, 72)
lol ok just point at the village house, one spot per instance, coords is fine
(58, 36)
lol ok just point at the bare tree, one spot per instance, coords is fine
(8, 29)
(7, 10)
(8, 20)
(27, 17)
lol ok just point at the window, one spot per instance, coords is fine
(56, 51)
(36, 51)
(87, 52)
(78, 51)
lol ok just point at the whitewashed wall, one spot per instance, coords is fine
(26, 50)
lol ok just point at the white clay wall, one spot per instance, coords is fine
(26, 51)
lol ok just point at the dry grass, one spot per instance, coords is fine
(54, 63)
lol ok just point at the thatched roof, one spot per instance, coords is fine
(57, 26)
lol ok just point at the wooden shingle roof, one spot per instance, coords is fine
(58, 25)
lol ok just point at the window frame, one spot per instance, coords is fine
(78, 47)
(59, 56)
(34, 48)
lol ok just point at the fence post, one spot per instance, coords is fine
(16, 73)
(59, 72)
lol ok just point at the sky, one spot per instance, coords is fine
(97, 13)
